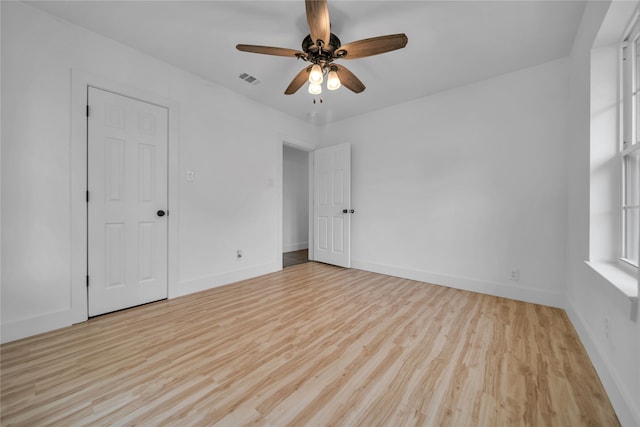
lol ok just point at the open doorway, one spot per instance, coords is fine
(295, 206)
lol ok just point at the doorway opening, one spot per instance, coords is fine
(295, 206)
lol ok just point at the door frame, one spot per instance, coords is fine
(309, 148)
(80, 81)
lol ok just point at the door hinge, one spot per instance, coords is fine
(87, 110)
(87, 281)
(87, 196)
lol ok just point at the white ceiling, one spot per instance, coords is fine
(451, 43)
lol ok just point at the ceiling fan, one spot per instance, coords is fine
(321, 48)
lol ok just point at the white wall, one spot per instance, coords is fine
(232, 204)
(461, 187)
(591, 298)
(295, 197)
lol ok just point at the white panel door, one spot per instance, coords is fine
(332, 205)
(127, 188)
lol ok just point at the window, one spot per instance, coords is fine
(630, 147)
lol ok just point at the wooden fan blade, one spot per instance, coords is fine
(318, 20)
(268, 50)
(348, 79)
(298, 81)
(372, 46)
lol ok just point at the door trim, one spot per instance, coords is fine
(80, 81)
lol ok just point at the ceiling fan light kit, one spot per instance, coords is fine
(333, 82)
(321, 48)
(315, 88)
(316, 75)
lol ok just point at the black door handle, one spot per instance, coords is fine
(345, 211)
(348, 211)
(160, 213)
(352, 211)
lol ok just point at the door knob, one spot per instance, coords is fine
(345, 211)
(160, 213)
(352, 211)
(348, 211)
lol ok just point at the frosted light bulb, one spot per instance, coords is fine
(315, 76)
(333, 82)
(315, 88)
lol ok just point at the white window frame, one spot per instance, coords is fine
(629, 125)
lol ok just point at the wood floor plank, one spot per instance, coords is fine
(310, 345)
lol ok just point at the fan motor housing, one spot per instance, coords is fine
(308, 44)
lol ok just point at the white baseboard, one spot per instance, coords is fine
(621, 399)
(290, 247)
(511, 291)
(12, 331)
(204, 283)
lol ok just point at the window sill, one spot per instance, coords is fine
(624, 281)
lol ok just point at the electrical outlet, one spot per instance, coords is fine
(514, 274)
(239, 254)
(190, 176)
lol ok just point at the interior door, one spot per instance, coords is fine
(127, 201)
(332, 205)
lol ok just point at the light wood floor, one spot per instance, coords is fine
(295, 257)
(312, 345)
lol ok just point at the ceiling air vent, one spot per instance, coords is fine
(249, 79)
